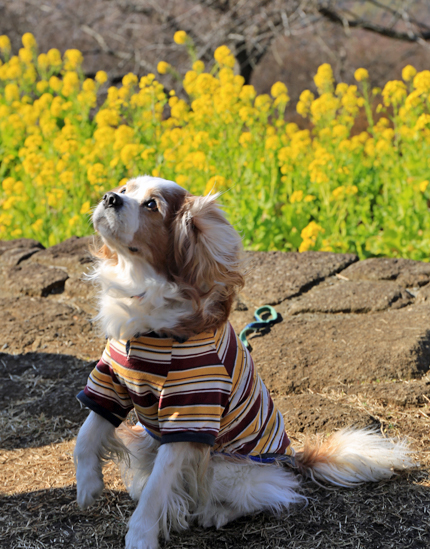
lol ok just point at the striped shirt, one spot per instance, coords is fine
(205, 390)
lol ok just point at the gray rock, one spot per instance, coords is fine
(314, 351)
(423, 294)
(405, 272)
(34, 280)
(276, 276)
(28, 321)
(23, 243)
(72, 255)
(352, 297)
(15, 256)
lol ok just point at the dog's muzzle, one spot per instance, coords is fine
(112, 200)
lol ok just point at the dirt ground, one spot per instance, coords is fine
(353, 348)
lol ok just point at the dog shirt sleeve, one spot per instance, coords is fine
(104, 393)
(194, 395)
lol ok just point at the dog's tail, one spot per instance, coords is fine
(353, 456)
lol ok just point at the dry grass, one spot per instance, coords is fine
(39, 507)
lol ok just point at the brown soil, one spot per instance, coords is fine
(353, 348)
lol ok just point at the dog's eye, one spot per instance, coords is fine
(151, 205)
(122, 191)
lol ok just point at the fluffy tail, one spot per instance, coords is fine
(353, 456)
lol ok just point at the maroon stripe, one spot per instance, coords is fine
(244, 422)
(231, 351)
(203, 398)
(249, 446)
(112, 406)
(139, 364)
(188, 362)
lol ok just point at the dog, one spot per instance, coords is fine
(210, 445)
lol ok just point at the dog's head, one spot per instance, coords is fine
(159, 240)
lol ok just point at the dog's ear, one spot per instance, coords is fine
(206, 248)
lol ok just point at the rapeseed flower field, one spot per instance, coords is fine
(285, 188)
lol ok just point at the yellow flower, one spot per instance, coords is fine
(422, 121)
(42, 86)
(296, 196)
(28, 41)
(394, 92)
(422, 82)
(305, 100)
(408, 73)
(180, 37)
(128, 154)
(324, 78)
(245, 139)
(214, 184)
(147, 153)
(85, 207)
(26, 55)
(361, 74)
(37, 225)
(101, 77)
(8, 185)
(72, 59)
(309, 198)
(55, 83)
(311, 231)
(73, 220)
(129, 80)
(278, 88)
(11, 92)
(198, 66)
(224, 56)
(338, 193)
(5, 44)
(96, 174)
(423, 185)
(163, 67)
(54, 57)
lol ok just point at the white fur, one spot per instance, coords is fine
(355, 456)
(134, 299)
(96, 442)
(178, 483)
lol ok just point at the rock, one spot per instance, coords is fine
(275, 276)
(19, 243)
(405, 272)
(82, 293)
(72, 255)
(310, 413)
(352, 297)
(26, 320)
(314, 351)
(15, 256)
(424, 294)
(35, 280)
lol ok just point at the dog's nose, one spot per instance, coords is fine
(112, 200)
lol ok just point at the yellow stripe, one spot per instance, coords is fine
(136, 376)
(198, 372)
(173, 412)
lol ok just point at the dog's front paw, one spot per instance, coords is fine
(141, 534)
(90, 485)
(139, 539)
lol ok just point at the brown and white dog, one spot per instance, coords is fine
(171, 264)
